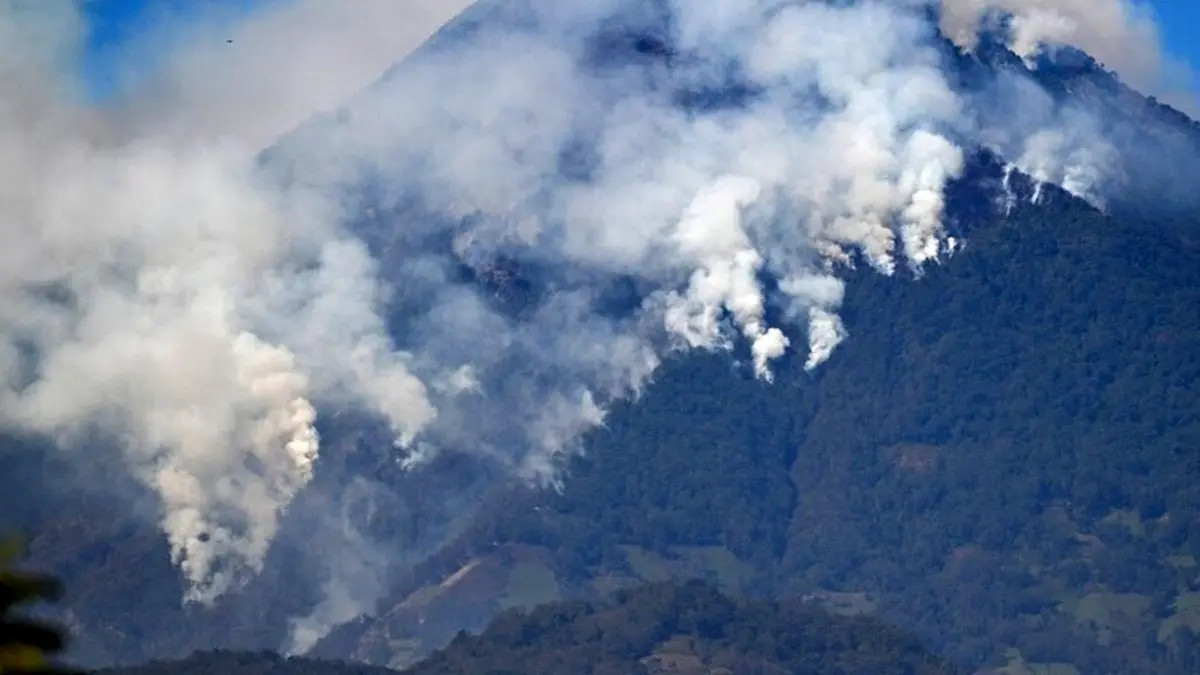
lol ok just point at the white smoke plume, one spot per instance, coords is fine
(1050, 156)
(668, 191)
(145, 261)
(711, 235)
(1121, 34)
(1055, 143)
(160, 285)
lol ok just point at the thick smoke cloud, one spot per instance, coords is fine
(154, 286)
(689, 203)
(162, 287)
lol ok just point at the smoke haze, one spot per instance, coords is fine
(139, 287)
(159, 286)
(1121, 34)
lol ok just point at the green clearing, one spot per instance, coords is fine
(714, 563)
(1187, 613)
(1128, 518)
(1017, 665)
(530, 585)
(1106, 612)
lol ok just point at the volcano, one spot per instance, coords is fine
(808, 301)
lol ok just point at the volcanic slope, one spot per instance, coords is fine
(1001, 456)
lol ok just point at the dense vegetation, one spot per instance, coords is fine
(691, 629)
(1003, 456)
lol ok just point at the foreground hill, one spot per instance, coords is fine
(690, 630)
(245, 663)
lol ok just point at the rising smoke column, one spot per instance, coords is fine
(1053, 142)
(842, 157)
(158, 289)
(711, 235)
(157, 338)
(865, 163)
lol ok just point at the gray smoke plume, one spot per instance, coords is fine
(160, 286)
(144, 262)
(1057, 143)
(1121, 34)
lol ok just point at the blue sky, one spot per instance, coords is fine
(115, 25)
(1180, 23)
(114, 22)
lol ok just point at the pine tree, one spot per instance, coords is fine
(26, 645)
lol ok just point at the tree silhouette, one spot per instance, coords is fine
(26, 645)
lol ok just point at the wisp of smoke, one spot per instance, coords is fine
(161, 286)
(1051, 142)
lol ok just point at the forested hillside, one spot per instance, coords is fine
(1003, 457)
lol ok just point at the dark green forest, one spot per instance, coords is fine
(1003, 457)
